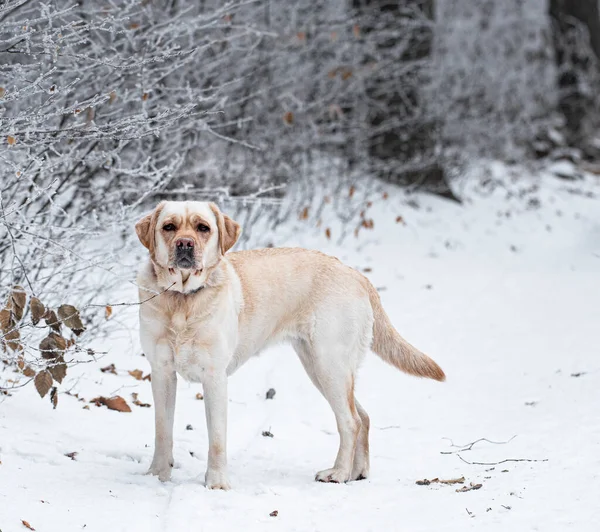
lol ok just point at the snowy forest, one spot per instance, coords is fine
(472, 126)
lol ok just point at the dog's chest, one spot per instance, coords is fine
(193, 352)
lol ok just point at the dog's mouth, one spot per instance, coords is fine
(195, 271)
(185, 263)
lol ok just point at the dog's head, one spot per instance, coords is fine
(190, 236)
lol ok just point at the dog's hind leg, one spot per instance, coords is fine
(360, 469)
(331, 373)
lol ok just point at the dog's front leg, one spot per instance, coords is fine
(164, 389)
(215, 403)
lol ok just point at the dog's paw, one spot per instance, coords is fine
(163, 472)
(161, 468)
(361, 475)
(216, 480)
(334, 475)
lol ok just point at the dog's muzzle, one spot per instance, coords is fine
(184, 253)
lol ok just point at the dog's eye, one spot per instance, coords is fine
(203, 228)
(169, 227)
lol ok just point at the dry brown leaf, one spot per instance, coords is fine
(7, 321)
(304, 213)
(400, 220)
(137, 374)
(37, 310)
(112, 403)
(426, 482)
(385, 195)
(29, 371)
(58, 370)
(346, 74)
(145, 96)
(288, 118)
(109, 369)
(17, 301)
(53, 346)
(137, 402)
(112, 97)
(11, 140)
(351, 191)
(26, 524)
(43, 382)
(470, 487)
(459, 480)
(107, 311)
(2, 92)
(69, 315)
(52, 320)
(147, 377)
(54, 397)
(368, 224)
(328, 233)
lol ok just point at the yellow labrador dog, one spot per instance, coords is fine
(217, 309)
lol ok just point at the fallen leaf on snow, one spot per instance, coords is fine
(470, 487)
(137, 402)
(112, 403)
(426, 482)
(26, 524)
(137, 374)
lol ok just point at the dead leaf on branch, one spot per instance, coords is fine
(69, 315)
(54, 397)
(51, 320)
(37, 310)
(28, 371)
(108, 311)
(7, 322)
(112, 403)
(53, 346)
(58, 370)
(27, 525)
(43, 382)
(17, 301)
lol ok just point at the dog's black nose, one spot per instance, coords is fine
(184, 243)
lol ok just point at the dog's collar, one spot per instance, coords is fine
(195, 291)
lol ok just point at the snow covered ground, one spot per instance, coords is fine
(503, 292)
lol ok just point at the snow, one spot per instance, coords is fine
(502, 292)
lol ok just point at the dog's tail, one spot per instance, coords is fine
(395, 350)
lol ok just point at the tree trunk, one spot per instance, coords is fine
(575, 62)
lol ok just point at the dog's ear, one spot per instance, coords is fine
(229, 230)
(146, 228)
